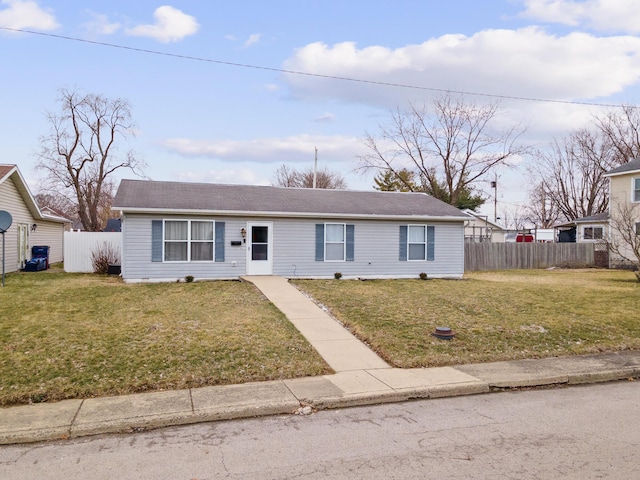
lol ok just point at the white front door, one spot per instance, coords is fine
(259, 248)
(23, 245)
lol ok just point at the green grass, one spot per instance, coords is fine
(496, 315)
(79, 335)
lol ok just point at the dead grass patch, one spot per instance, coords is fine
(496, 315)
(78, 335)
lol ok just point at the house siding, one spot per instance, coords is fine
(376, 247)
(621, 188)
(47, 232)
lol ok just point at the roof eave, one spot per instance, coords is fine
(234, 213)
(617, 174)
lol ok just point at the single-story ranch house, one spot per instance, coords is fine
(172, 230)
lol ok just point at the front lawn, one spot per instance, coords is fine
(79, 335)
(495, 315)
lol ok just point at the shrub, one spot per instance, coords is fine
(188, 278)
(423, 276)
(337, 275)
(103, 256)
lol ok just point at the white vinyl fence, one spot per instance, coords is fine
(78, 247)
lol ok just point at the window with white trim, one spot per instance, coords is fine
(417, 242)
(334, 242)
(188, 240)
(636, 189)
(593, 233)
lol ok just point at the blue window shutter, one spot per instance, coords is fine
(219, 242)
(350, 242)
(403, 243)
(156, 240)
(319, 242)
(431, 243)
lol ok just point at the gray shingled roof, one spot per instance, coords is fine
(630, 166)
(151, 196)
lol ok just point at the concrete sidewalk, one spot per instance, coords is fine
(339, 347)
(75, 418)
(361, 378)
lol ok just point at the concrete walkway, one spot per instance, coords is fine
(339, 347)
(361, 378)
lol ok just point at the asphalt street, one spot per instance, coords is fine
(579, 432)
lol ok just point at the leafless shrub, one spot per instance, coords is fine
(103, 256)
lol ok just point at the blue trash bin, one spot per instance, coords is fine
(41, 251)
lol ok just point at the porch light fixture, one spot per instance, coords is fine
(243, 232)
(33, 227)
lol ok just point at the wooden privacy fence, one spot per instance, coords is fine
(510, 256)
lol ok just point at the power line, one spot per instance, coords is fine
(317, 75)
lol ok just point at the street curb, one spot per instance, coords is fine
(72, 424)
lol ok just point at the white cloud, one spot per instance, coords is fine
(170, 25)
(528, 62)
(292, 149)
(26, 14)
(605, 15)
(325, 118)
(238, 176)
(252, 40)
(100, 25)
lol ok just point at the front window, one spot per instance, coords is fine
(334, 242)
(417, 242)
(188, 240)
(636, 189)
(593, 233)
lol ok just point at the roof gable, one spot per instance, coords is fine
(179, 197)
(12, 172)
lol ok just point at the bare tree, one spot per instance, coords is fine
(571, 175)
(80, 153)
(516, 219)
(621, 128)
(541, 211)
(286, 176)
(58, 203)
(624, 221)
(450, 146)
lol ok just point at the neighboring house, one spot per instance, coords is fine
(30, 226)
(594, 228)
(480, 229)
(624, 193)
(172, 230)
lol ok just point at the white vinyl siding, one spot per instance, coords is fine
(374, 250)
(47, 233)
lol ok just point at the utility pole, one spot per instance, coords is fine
(315, 169)
(494, 185)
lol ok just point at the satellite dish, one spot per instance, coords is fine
(5, 221)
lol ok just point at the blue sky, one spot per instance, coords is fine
(215, 122)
